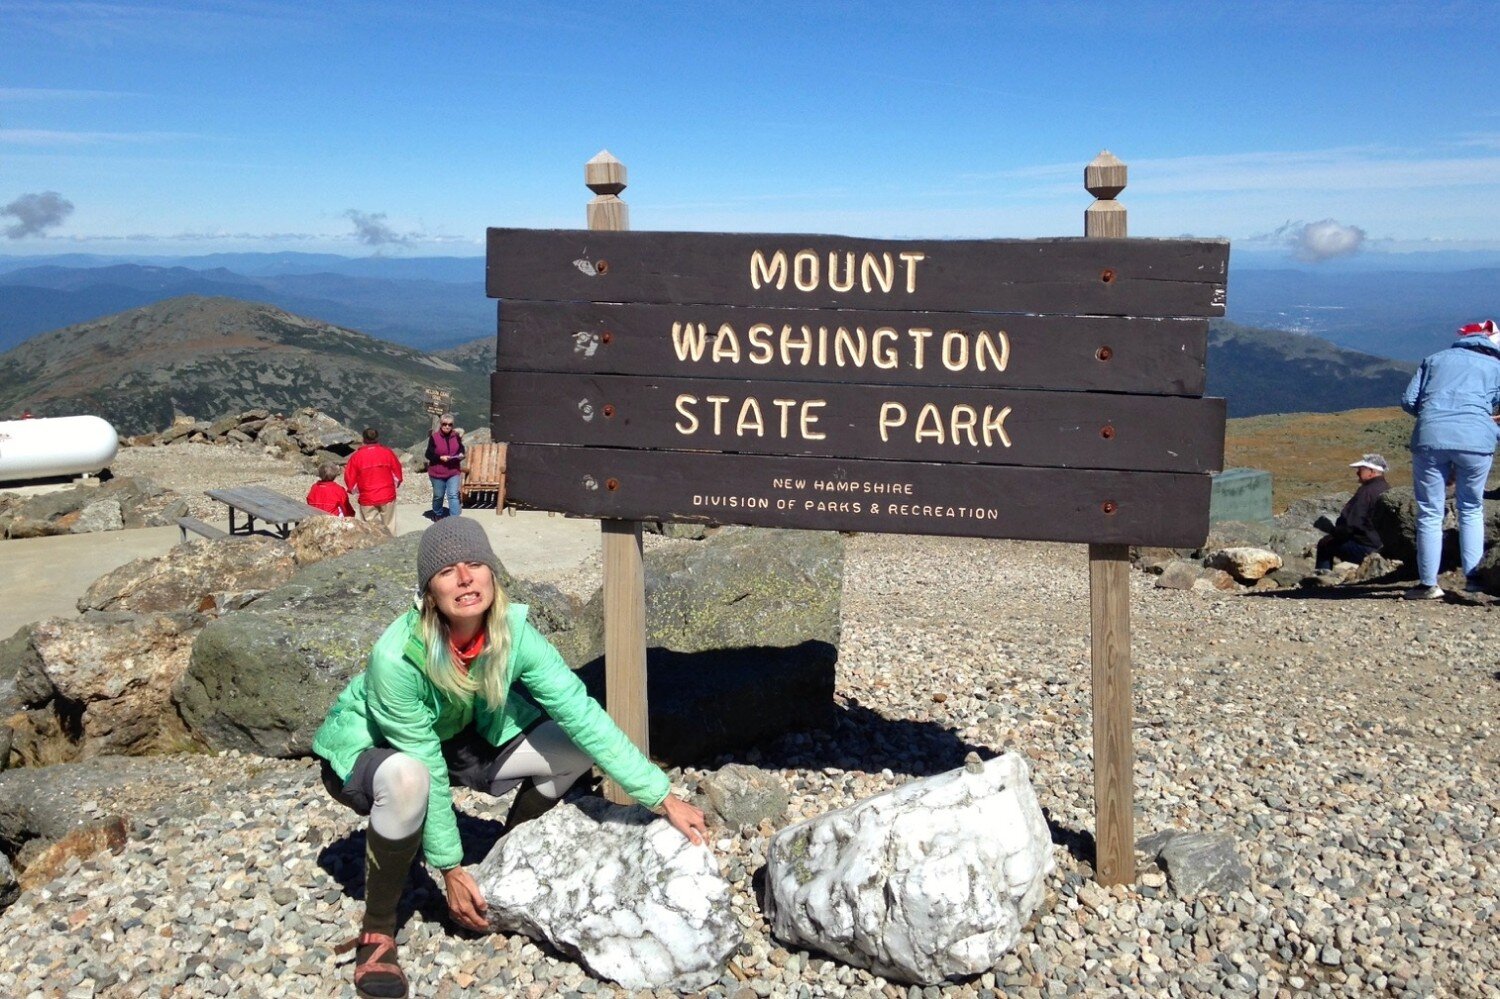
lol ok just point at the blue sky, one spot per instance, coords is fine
(407, 128)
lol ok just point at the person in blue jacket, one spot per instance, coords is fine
(1453, 395)
(438, 706)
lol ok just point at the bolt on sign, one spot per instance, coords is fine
(1044, 389)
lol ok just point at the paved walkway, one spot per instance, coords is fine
(43, 577)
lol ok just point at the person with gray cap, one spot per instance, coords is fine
(1354, 535)
(437, 706)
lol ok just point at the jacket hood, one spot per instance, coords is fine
(1482, 344)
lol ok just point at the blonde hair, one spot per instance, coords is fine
(487, 675)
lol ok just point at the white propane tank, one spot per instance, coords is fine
(63, 445)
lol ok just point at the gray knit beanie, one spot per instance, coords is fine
(450, 541)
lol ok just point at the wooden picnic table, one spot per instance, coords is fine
(260, 503)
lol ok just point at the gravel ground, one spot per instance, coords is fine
(1349, 747)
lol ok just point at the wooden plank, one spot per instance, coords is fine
(983, 501)
(1114, 756)
(1084, 354)
(1055, 429)
(1127, 277)
(186, 524)
(624, 594)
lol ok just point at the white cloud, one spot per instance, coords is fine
(1326, 240)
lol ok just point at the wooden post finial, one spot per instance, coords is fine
(605, 176)
(1104, 178)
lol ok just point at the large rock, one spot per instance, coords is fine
(617, 889)
(101, 685)
(194, 577)
(262, 678)
(1301, 514)
(317, 538)
(1488, 571)
(1179, 575)
(742, 633)
(1197, 863)
(928, 882)
(743, 797)
(39, 805)
(315, 431)
(120, 502)
(1246, 564)
(1395, 518)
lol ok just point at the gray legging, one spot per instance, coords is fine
(401, 782)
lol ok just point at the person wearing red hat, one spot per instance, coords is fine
(1453, 395)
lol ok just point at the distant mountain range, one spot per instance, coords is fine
(419, 302)
(1398, 314)
(1261, 371)
(435, 302)
(206, 357)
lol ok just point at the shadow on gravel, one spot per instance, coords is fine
(862, 739)
(344, 860)
(1344, 592)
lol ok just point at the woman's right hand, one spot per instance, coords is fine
(465, 902)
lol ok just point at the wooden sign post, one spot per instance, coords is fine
(1044, 389)
(1109, 619)
(624, 561)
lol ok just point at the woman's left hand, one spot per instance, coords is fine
(685, 818)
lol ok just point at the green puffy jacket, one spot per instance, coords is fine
(393, 703)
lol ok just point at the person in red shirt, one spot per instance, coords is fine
(372, 474)
(327, 495)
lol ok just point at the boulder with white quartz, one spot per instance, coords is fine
(928, 882)
(618, 889)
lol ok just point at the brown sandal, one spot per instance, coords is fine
(376, 973)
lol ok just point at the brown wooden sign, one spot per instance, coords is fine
(1071, 353)
(1052, 504)
(830, 419)
(1042, 389)
(1114, 277)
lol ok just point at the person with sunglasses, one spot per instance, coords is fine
(445, 455)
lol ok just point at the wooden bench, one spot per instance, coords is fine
(209, 531)
(484, 478)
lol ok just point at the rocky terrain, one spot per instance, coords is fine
(1343, 738)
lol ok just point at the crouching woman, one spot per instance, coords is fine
(436, 708)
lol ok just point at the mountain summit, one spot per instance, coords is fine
(208, 356)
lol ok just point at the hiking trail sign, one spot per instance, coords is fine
(1044, 389)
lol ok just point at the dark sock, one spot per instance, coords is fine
(528, 805)
(387, 862)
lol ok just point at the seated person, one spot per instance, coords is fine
(1354, 535)
(327, 495)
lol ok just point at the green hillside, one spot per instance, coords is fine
(208, 356)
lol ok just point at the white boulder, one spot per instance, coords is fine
(931, 881)
(619, 890)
